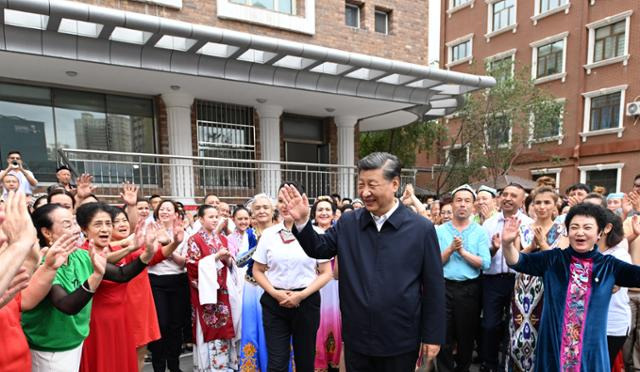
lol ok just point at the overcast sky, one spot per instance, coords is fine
(434, 31)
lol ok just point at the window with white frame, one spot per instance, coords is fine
(352, 15)
(547, 126)
(604, 111)
(550, 59)
(461, 51)
(382, 21)
(282, 6)
(498, 132)
(457, 3)
(607, 175)
(501, 69)
(608, 41)
(457, 155)
(503, 14)
(549, 5)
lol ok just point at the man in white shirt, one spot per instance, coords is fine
(498, 281)
(16, 167)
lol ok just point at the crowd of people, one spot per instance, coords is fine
(533, 280)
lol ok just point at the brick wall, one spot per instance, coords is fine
(407, 39)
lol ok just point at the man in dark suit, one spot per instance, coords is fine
(391, 283)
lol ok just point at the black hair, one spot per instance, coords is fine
(335, 195)
(595, 195)
(117, 210)
(175, 207)
(578, 186)
(296, 185)
(86, 212)
(615, 236)
(527, 202)
(203, 208)
(41, 218)
(516, 185)
(239, 208)
(93, 196)
(208, 195)
(61, 192)
(140, 200)
(13, 152)
(346, 207)
(587, 210)
(345, 199)
(153, 197)
(636, 177)
(389, 163)
(40, 199)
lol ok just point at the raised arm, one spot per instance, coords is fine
(129, 195)
(509, 235)
(315, 245)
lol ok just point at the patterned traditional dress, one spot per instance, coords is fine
(212, 323)
(526, 308)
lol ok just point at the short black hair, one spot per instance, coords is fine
(516, 185)
(588, 210)
(345, 199)
(347, 207)
(595, 195)
(389, 163)
(41, 218)
(203, 208)
(154, 196)
(13, 152)
(636, 177)
(615, 236)
(86, 212)
(175, 207)
(239, 208)
(578, 186)
(62, 167)
(63, 192)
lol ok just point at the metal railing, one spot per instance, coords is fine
(191, 178)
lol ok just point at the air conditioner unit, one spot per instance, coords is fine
(633, 108)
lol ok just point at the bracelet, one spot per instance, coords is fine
(87, 289)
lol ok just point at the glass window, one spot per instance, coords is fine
(550, 59)
(352, 15)
(460, 51)
(283, 6)
(457, 3)
(606, 177)
(547, 5)
(547, 130)
(501, 69)
(504, 14)
(382, 22)
(498, 131)
(303, 128)
(609, 41)
(605, 112)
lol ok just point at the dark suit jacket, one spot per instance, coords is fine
(391, 284)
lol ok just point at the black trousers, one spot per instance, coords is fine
(614, 344)
(171, 297)
(463, 317)
(497, 291)
(356, 362)
(282, 324)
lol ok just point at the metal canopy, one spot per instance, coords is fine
(82, 32)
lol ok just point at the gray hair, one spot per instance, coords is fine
(389, 163)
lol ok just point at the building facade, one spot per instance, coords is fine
(250, 81)
(586, 54)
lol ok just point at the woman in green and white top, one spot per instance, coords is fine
(57, 327)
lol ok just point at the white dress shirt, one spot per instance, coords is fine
(381, 220)
(288, 266)
(494, 226)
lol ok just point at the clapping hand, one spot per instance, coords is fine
(20, 281)
(178, 231)
(57, 254)
(98, 258)
(16, 221)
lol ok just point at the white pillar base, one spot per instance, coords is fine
(346, 157)
(179, 131)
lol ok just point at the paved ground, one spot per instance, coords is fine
(186, 363)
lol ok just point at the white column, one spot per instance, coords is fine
(270, 147)
(178, 106)
(346, 158)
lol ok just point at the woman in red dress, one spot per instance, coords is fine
(110, 345)
(142, 320)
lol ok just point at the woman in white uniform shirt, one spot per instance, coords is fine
(291, 302)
